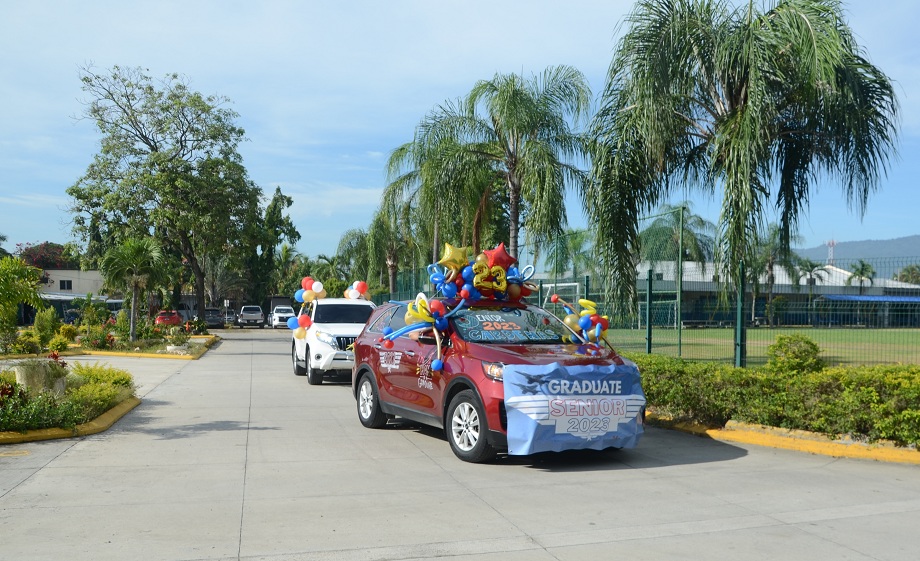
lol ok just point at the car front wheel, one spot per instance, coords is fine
(369, 412)
(467, 428)
(314, 376)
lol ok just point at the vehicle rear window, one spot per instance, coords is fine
(342, 313)
(251, 309)
(509, 325)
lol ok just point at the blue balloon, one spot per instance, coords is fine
(585, 322)
(441, 324)
(387, 330)
(436, 278)
(449, 290)
(292, 323)
(437, 364)
(468, 273)
(299, 295)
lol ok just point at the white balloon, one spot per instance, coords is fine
(354, 294)
(317, 287)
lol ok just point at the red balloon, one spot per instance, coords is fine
(605, 323)
(595, 319)
(306, 283)
(465, 294)
(554, 298)
(388, 343)
(303, 320)
(436, 306)
(361, 287)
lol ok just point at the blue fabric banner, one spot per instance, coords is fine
(553, 407)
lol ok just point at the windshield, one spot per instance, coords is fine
(342, 313)
(284, 310)
(509, 325)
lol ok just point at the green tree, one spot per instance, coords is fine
(768, 254)
(263, 236)
(134, 264)
(19, 284)
(863, 273)
(523, 139)
(3, 252)
(168, 166)
(812, 271)
(909, 274)
(50, 255)
(570, 251)
(675, 227)
(752, 104)
(222, 280)
(390, 242)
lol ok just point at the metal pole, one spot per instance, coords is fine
(648, 314)
(740, 334)
(680, 279)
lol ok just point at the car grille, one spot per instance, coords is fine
(345, 342)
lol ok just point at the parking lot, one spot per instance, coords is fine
(233, 457)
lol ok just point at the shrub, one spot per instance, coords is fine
(58, 343)
(91, 400)
(123, 324)
(27, 343)
(68, 331)
(97, 337)
(25, 410)
(101, 374)
(177, 335)
(46, 325)
(794, 353)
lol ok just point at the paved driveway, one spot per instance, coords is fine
(233, 457)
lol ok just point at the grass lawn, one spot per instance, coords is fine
(838, 345)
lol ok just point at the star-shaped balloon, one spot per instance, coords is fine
(500, 257)
(455, 258)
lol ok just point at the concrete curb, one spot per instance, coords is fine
(798, 440)
(101, 423)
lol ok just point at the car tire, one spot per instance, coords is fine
(369, 412)
(467, 429)
(314, 376)
(298, 369)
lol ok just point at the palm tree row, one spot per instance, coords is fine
(701, 96)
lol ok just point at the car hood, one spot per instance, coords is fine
(339, 329)
(567, 355)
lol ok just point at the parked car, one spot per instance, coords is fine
(329, 339)
(168, 317)
(251, 315)
(229, 317)
(465, 393)
(213, 318)
(280, 316)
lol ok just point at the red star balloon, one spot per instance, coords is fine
(500, 257)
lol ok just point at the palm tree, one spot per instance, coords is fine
(133, 264)
(522, 139)
(676, 227)
(755, 105)
(909, 274)
(812, 271)
(284, 261)
(863, 272)
(767, 255)
(571, 251)
(390, 242)
(221, 280)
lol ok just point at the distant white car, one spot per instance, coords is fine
(328, 344)
(280, 315)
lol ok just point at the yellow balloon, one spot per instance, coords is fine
(300, 333)
(308, 296)
(321, 294)
(571, 320)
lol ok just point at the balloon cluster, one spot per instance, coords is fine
(357, 291)
(311, 290)
(423, 314)
(491, 274)
(592, 326)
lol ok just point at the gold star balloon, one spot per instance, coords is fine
(454, 259)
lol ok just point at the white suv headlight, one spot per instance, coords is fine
(327, 338)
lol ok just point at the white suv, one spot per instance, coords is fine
(328, 344)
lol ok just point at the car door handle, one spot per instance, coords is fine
(410, 353)
(377, 345)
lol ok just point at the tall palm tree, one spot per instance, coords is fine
(753, 104)
(863, 273)
(677, 226)
(571, 251)
(284, 261)
(221, 280)
(767, 255)
(812, 271)
(390, 242)
(135, 264)
(909, 274)
(519, 130)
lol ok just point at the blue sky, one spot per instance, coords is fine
(325, 90)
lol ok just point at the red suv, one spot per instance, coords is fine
(557, 385)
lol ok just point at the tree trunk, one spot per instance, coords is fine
(132, 332)
(514, 214)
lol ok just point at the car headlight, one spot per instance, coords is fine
(493, 370)
(327, 338)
